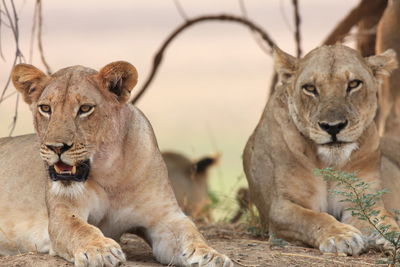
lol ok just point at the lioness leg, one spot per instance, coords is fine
(74, 239)
(175, 240)
(318, 229)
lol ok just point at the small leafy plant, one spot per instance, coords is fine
(363, 206)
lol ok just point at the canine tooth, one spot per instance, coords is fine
(57, 169)
(73, 171)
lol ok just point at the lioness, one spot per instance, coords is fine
(100, 174)
(320, 115)
(189, 182)
(388, 36)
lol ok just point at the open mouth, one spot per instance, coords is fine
(64, 172)
(335, 144)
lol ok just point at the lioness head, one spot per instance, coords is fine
(332, 95)
(75, 113)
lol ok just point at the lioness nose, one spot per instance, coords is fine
(333, 128)
(58, 148)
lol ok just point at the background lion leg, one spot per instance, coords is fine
(294, 222)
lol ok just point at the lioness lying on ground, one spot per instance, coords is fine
(189, 182)
(320, 115)
(101, 174)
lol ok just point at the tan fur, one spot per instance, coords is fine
(388, 37)
(189, 182)
(127, 188)
(289, 142)
(390, 172)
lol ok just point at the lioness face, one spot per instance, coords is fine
(75, 113)
(332, 97)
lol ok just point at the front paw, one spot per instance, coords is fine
(203, 255)
(343, 238)
(100, 252)
(378, 242)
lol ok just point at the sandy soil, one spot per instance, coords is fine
(244, 249)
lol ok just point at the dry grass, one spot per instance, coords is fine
(232, 240)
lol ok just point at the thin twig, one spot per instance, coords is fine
(5, 23)
(284, 16)
(8, 15)
(223, 17)
(8, 82)
(16, 30)
(180, 9)
(8, 96)
(1, 47)
(33, 31)
(13, 20)
(242, 264)
(14, 121)
(16, 54)
(297, 21)
(257, 38)
(39, 37)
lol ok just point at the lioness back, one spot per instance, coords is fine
(22, 201)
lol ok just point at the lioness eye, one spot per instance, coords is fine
(45, 108)
(353, 84)
(85, 109)
(309, 88)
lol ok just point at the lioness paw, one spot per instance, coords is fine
(349, 241)
(378, 242)
(202, 255)
(104, 252)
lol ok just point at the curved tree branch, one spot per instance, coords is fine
(363, 9)
(297, 21)
(223, 17)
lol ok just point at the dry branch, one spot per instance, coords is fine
(1, 24)
(33, 32)
(13, 21)
(257, 38)
(366, 30)
(12, 18)
(297, 21)
(39, 36)
(180, 9)
(363, 9)
(190, 22)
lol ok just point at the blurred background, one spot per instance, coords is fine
(212, 85)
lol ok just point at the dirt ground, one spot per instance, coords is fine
(244, 249)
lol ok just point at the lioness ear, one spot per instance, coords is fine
(28, 81)
(285, 65)
(202, 165)
(119, 78)
(383, 64)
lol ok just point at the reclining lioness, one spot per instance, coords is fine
(100, 174)
(320, 115)
(189, 180)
